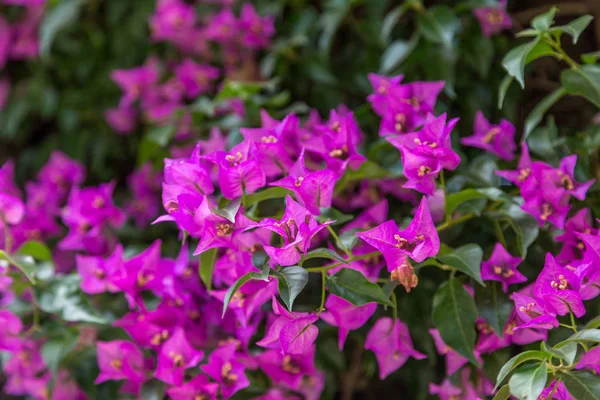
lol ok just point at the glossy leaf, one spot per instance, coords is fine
(351, 285)
(494, 306)
(582, 385)
(503, 393)
(324, 252)
(206, 267)
(515, 60)
(584, 81)
(262, 276)
(528, 381)
(454, 315)
(504, 86)
(583, 336)
(267, 194)
(24, 264)
(544, 21)
(466, 259)
(35, 249)
(516, 361)
(390, 21)
(230, 210)
(291, 281)
(397, 52)
(57, 19)
(536, 115)
(576, 27)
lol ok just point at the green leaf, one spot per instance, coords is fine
(479, 52)
(259, 258)
(390, 21)
(397, 52)
(466, 259)
(56, 19)
(591, 58)
(536, 115)
(456, 199)
(582, 385)
(542, 49)
(583, 336)
(526, 227)
(241, 90)
(454, 315)
(55, 349)
(291, 281)
(230, 210)
(332, 214)
(267, 194)
(576, 27)
(439, 25)
(206, 267)
(351, 285)
(528, 381)
(152, 390)
(262, 276)
(583, 81)
(515, 362)
(35, 249)
(494, 306)
(503, 393)
(161, 134)
(25, 265)
(504, 85)
(566, 353)
(515, 60)
(544, 21)
(64, 298)
(323, 252)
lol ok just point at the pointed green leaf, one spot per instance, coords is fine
(23, 263)
(390, 21)
(583, 336)
(267, 194)
(351, 285)
(206, 267)
(323, 252)
(536, 115)
(516, 361)
(504, 86)
(566, 353)
(397, 52)
(582, 385)
(544, 21)
(56, 19)
(515, 60)
(291, 281)
(583, 81)
(494, 306)
(576, 27)
(454, 315)
(528, 381)
(230, 210)
(503, 393)
(262, 276)
(35, 249)
(466, 259)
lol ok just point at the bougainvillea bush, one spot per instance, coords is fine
(340, 199)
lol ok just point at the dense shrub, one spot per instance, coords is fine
(298, 200)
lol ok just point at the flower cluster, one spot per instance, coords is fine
(18, 38)
(159, 92)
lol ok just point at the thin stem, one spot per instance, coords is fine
(457, 221)
(447, 216)
(395, 308)
(499, 233)
(355, 258)
(323, 279)
(555, 44)
(339, 242)
(569, 326)
(572, 320)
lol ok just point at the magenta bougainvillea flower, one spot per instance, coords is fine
(314, 189)
(10, 328)
(121, 119)
(297, 227)
(498, 139)
(564, 177)
(257, 31)
(119, 360)
(198, 387)
(559, 287)
(288, 369)
(418, 241)
(346, 316)
(390, 341)
(573, 246)
(239, 170)
(493, 19)
(445, 391)
(223, 366)
(197, 79)
(502, 267)
(454, 361)
(98, 273)
(176, 355)
(532, 312)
